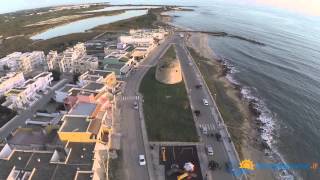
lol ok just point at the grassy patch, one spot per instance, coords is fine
(227, 107)
(167, 110)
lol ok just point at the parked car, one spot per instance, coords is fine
(210, 150)
(142, 160)
(205, 102)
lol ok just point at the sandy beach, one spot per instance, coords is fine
(250, 145)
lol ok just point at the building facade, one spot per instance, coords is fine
(23, 97)
(10, 81)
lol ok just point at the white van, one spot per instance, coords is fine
(205, 102)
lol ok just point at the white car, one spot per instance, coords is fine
(204, 130)
(135, 105)
(205, 102)
(142, 160)
(210, 150)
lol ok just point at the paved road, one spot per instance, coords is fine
(208, 117)
(21, 118)
(132, 142)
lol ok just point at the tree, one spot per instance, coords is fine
(55, 74)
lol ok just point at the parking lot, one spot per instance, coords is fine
(174, 159)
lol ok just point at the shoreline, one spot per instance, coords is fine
(249, 143)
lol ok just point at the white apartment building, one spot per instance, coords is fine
(25, 62)
(10, 62)
(137, 40)
(71, 55)
(10, 81)
(84, 64)
(53, 60)
(24, 96)
(30, 60)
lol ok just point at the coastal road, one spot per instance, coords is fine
(21, 118)
(208, 116)
(132, 142)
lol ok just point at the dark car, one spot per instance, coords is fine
(198, 86)
(218, 136)
(197, 112)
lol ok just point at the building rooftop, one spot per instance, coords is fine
(93, 86)
(43, 74)
(30, 81)
(80, 159)
(91, 78)
(83, 109)
(14, 91)
(75, 124)
(81, 153)
(99, 73)
(67, 87)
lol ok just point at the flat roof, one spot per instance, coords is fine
(44, 169)
(115, 66)
(93, 86)
(91, 78)
(43, 74)
(75, 124)
(84, 176)
(30, 81)
(81, 153)
(83, 108)
(66, 88)
(99, 73)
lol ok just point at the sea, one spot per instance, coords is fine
(280, 73)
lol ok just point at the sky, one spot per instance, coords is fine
(307, 7)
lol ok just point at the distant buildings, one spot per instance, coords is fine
(72, 60)
(10, 81)
(22, 97)
(25, 62)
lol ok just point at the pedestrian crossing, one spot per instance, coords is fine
(210, 127)
(126, 98)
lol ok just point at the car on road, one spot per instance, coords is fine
(135, 105)
(198, 86)
(210, 150)
(218, 136)
(205, 130)
(197, 112)
(142, 160)
(205, 102)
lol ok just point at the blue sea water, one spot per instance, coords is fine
(282, 76)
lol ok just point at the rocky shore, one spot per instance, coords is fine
(250, 145)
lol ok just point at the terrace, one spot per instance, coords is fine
(93, 86)
(80, 159)
(83, 109)
(75, 124)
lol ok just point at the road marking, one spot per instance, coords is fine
(210, 127)
(126, 98)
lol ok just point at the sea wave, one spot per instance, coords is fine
(266, 119)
